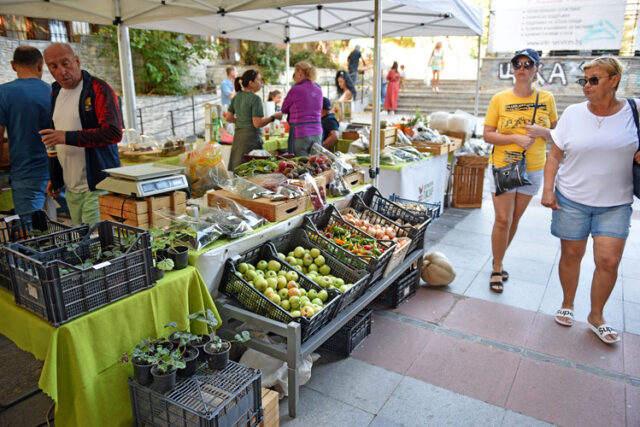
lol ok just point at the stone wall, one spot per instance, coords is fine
(557, 74)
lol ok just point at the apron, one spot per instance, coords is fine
(292, 126)
(244, 140)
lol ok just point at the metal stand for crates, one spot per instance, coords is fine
(292, 350)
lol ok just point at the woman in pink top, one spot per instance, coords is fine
(303, 104)
(393, 89)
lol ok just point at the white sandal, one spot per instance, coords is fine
(564, 312)
(603, 330)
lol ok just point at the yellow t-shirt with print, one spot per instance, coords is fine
(510, 113)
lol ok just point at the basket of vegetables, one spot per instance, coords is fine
(359, 250)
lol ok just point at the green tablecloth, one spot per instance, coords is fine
(171, 160)
(275, 143)
(6, 201)
(81, 370)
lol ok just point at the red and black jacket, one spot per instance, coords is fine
(101, 130)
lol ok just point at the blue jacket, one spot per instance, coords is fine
(101, 130)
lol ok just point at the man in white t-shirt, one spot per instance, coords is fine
(86, 127)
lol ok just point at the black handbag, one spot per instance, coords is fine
(636, 166)
(514, 174)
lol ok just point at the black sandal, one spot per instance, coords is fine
(496, 287)
(505, 275)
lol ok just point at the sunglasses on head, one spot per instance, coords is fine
(593, 81)
(526, 64)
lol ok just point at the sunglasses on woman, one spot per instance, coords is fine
(593, 81)
(526, 64)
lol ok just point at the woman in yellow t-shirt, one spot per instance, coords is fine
(505, 126)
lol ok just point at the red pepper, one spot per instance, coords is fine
(367, 247)
(329, 235)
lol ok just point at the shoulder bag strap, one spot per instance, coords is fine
(634, 110)
(533, 121)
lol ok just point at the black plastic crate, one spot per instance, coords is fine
(47, 281)
(228, 397)
(404, 287)
(315, 222)
(432, 209)
(360, 278)
(16, 228)
(255, 301)
(351, 335)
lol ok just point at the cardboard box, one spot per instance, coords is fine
(273, 211)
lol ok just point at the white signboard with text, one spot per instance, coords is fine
(555, 25)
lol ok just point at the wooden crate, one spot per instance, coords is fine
(436, 148)
(354, 179)
(455, 144)
(148, 212)
(388, 136)
(272, 211)
(270, 404)
(468, 180)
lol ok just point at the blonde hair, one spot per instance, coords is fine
(308, 70)
(611, 65)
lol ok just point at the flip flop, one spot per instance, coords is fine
(603, 330)
(493, 285)
(564, 312)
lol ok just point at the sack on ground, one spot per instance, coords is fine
(437, 270)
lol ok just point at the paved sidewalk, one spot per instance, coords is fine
(463, 355)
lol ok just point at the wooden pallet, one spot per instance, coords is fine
(270, 402)
(147, 212)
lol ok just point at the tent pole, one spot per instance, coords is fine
(477, 101)
(126, 75)
(286, 57)
(375, 119)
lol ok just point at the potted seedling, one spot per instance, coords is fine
(161, 263)
(164, 371)
(208, 319)
(181, 232)
(142, 358)
(184, 341)
(217, 351)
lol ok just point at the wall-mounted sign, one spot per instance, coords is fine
(555, 25)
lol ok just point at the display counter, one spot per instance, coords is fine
(81, 371)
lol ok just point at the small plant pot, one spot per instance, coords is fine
(167, 345)
(202, 356)
(163, 383)
(157, 273)
(218, 360)
(142, 373)
(190, 358)
(180, 257)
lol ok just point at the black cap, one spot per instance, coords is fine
(326, 103)
(529, 53)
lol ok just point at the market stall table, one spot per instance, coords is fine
(81, 371)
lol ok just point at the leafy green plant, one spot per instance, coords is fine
(161, 59)
(167, 361)
(142, 354)
(165, 265)
(418, 117)
(207, 317)
(217, 344)
(267, 57)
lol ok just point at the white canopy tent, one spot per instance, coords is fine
(298, 23)
(124, 13)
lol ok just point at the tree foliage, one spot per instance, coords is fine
(161, 59)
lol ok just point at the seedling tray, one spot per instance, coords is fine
(360, 278)
(16, 228)
(315, 222)
(228, 397)
(257, 302)
(47, 281)
(350, 336)
(404, 287)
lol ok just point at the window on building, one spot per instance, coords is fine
(58, 31)
(15, 27)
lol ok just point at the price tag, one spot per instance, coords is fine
(32, 291)
(11, 218)
(101, 265)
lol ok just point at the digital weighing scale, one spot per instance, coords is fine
(144, 180)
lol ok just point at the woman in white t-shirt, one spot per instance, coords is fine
(593, 187)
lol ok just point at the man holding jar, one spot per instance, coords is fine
(86, 127)
(24, 110)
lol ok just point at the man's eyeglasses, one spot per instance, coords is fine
(519, 64)
(593, 81)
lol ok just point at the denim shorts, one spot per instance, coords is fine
(536, 178)
(575, 221)
(28, 194)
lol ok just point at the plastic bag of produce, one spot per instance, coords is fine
(439, 120)
(231, 218)
(340, 167)
(205, 168)
(317, 195)
(245, 188)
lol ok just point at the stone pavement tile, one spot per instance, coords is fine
(633, 405)
(517, 292)
(632, 317)
(539, 252)
(462, 256)
(476, 224)
(468, 239)
(415, 403)
(470, 368)
(461, 283)
(632, 250)
(514, 419)
(319, 409)
(630, 268)
(427, 304)
(576, 343)
(33, 411)
(631, 346)
(354, 382)
(529, 269)
(566, 396)
(392, 345)
(537, 236)
(379, 421)
(631, 289)
(491, 320)
(584, 281)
